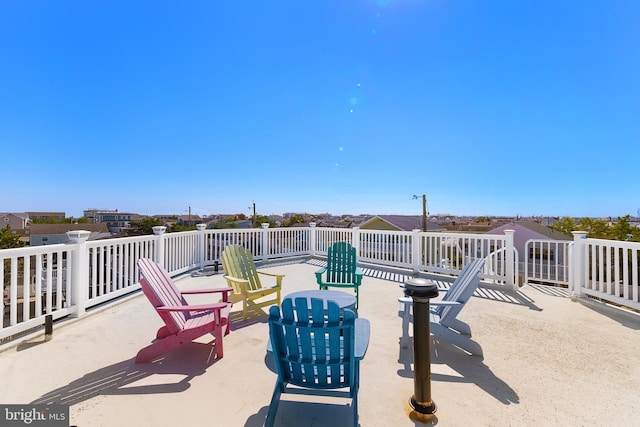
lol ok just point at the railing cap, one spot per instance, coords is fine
(78, 236)
(159, 229)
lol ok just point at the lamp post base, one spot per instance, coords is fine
(427, 408)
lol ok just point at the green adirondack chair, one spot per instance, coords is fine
(342, 270)
(241, 275)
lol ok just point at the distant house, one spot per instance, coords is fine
(58, 216)
(117, 222)
(189, 220)
(51, 234)
(527, 230)
(398, 223)
(16, 221)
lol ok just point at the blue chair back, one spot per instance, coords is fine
(313, 348)
(316, 348)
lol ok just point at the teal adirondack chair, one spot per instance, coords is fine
(342, 270)
(316, 349)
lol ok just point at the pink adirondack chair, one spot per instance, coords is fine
(183, 322)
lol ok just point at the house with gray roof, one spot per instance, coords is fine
(399, 223)
(529, 230)
(51, 234)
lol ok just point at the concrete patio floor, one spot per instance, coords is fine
(548, 361)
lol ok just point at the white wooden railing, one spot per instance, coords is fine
(67, 279)
(547, 261)
(606, 269)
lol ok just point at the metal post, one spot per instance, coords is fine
(48, 327)
(421, 290)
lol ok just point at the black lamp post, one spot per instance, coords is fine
(421, 291)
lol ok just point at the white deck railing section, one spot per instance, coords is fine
(606, 269)
(546, 261)
(67, 279)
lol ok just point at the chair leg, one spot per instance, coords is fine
(354, 393)
(354, 403)
(219, 347)
(273, 406)
(404, 341)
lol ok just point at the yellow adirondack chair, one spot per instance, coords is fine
(241, 275)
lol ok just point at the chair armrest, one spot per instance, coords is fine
(235, 279)
(241, 283)
(205, 291)
(319, 274)
(444, 303)
(199, 307)
(277, 276)
(225, 297)
(362, 331)
(270, 274)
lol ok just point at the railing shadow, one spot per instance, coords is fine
(471, 369)
(499, 293)
(621, 315)
(127, 377)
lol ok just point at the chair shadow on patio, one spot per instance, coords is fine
(255, 316)
(316, 414)
(471, 369)
(170, 373)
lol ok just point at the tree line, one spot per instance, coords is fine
(600, 229)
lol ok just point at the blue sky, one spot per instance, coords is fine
(341, 106)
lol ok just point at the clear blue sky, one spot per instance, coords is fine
(341, 106)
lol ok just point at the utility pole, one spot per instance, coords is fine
(253, 218)
(424, 211)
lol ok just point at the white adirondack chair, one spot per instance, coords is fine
(443, 313)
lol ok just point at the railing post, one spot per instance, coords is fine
(312, 238)
(202, 242)
(509, 260)
(265, 241)
(79, 271)
(416, 251)
(576, 264)
(355, 240)
(159, 230)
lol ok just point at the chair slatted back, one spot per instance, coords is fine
(238, 262)
(341, 263)
(461, 291)
(313, 348)
(161, 291)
